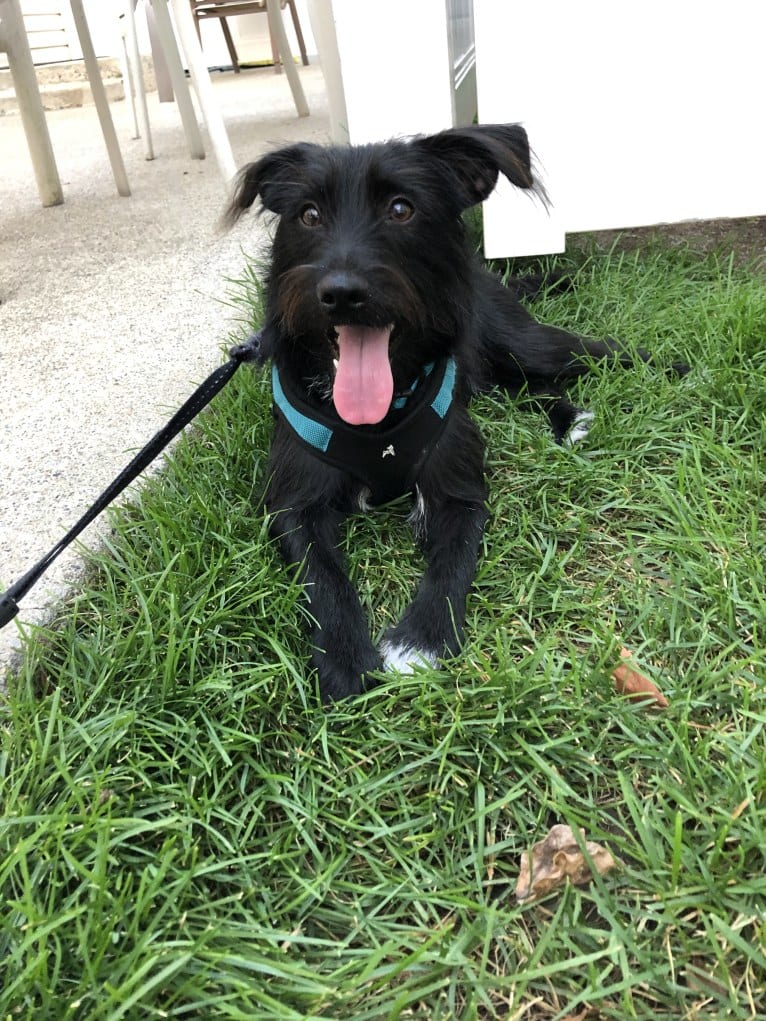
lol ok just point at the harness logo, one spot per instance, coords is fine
(389, 451)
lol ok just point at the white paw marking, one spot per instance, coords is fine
(403, 659)
(580, 428)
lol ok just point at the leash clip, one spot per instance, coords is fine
(250, 351)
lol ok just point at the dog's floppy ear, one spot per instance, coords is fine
(476, 155)
(273, 177)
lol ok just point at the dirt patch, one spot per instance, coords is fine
(745, 237)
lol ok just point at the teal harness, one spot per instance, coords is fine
(386, 461)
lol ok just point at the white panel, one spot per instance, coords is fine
(322, 19)
(461, 31)
(517, 223)
(642, 113)
(395, 67)
(462, 50)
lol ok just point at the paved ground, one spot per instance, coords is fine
(112, 308)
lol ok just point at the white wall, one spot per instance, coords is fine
(387, 66)
(639, 113)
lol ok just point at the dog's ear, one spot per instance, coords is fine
(475, 155)
(273, 177)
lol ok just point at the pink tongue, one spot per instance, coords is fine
(364, 386)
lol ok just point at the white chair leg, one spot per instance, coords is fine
(137, 76)
(219, 138)
(161, 73)
(99, 97)
(278, 34)
(13, 40)
(167, 38)
(127, 81)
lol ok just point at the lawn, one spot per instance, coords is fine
(187, 833)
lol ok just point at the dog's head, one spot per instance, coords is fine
(370, 271)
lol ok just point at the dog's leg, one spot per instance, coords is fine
(449, 517)
(536, 361)
(342, 651)
(569, 423)
(450, 532)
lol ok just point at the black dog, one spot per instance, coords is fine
(381, 324)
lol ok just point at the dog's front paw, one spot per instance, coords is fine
(342, 676)
(402, 657)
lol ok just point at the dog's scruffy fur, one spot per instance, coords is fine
(370, 241)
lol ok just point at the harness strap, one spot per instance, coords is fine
(386, 461)
(249, 351)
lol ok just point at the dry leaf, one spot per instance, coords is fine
(557, 858)
(636, 686)
(741, 808)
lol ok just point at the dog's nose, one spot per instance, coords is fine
(341, 292)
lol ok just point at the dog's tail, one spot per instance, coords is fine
(542, 351)
(586, 351)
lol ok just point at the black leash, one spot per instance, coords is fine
(202, 396)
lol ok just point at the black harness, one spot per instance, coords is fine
(387, 462)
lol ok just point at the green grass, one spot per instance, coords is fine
(186, 833)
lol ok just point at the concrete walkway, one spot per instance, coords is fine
(112, 309)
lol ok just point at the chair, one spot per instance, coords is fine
(14, 42)
(169, 54)
(169, 69)
(223, 9)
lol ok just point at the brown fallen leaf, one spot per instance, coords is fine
(636, 686)
(556, 859)
(741, 808)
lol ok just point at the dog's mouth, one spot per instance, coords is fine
(363, 387)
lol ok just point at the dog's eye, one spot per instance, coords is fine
(310, 216)
(400, 211)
